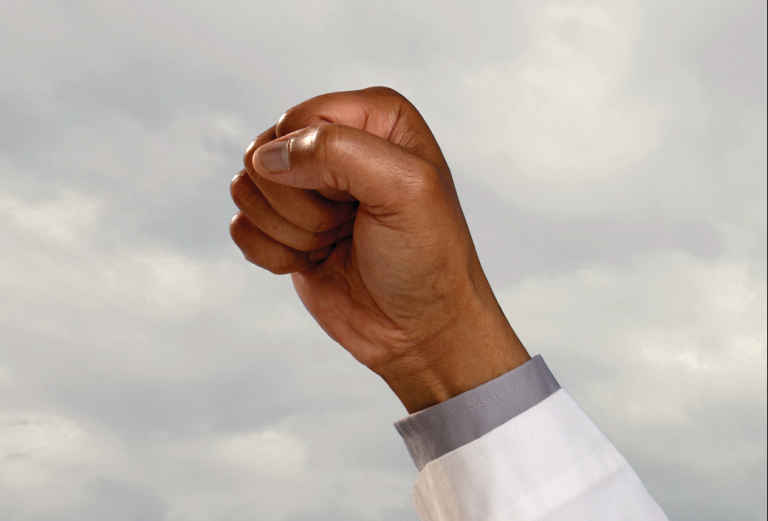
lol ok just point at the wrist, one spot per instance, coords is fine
(476, 349)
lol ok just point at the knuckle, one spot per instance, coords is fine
(237, 228)
(384, 92)
(248, 154)
(243, 192)
(234, 186)
(276, 270)
(260, 259)
(287, 123)
(241, 231)
(303, 240)
(319, 221)
(311, 241)
(252, 198)
(326, 145)
(425, 181)
(294, 119)
(282, 262)
(326, 138)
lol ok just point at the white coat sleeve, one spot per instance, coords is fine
(520, 449)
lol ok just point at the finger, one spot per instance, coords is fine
(270, 135)
(375, 110)
(307, 209)
(262, 250)
(255, 206)
(381, 175)
(378, 110)
(334, 194)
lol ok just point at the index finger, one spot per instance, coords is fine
(377, 110)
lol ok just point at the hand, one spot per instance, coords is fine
(350, 193)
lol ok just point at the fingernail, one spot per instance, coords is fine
(274, 157)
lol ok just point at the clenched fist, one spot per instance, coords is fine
(350, 193)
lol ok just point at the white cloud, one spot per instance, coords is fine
(173, 279)
(33, 446)
(62, 220)
(270, 452)
(79, 282)
(163, 163)
(562, 112)
(127, 121)
(5, 376)
(697, 327)
(668, 357)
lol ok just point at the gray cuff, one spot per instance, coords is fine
(445, 427)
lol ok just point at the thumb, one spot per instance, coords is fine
(378, 173)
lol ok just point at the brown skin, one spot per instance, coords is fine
(368, 223)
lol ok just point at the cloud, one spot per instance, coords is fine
(123, 302)
(33, 446)
(338, 514)
(672, 348)
(167, 161)
(269, 452)
(562, 112)
(62, 220)
(669, 313)
(5, 376)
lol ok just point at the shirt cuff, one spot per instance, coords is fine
(451, 424)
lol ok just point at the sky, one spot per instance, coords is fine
(610, 157)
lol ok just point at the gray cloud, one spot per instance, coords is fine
(337, 514)
(127, 316)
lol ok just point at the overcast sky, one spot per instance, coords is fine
(610, 156)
